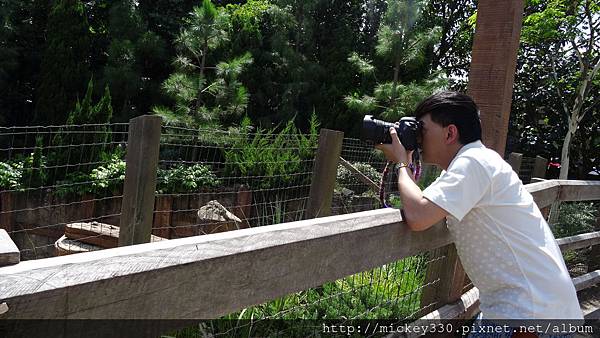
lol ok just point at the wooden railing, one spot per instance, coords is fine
(213, 275)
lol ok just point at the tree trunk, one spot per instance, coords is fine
(564, 158)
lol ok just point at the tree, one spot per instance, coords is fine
(452, 55)
(65, 64)
(133, 53)
(403, 46)
(205, 95)
(569, 30)
(22, 32)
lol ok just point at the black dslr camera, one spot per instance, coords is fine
(377, 131)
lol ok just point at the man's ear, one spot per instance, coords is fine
(452, 134)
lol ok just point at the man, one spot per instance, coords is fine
(504, 243)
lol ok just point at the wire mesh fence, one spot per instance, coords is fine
(62, 188)
(52, 176)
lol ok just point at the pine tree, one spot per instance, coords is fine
(203, 94)
(402, 45)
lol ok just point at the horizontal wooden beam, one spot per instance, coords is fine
(9, 253)
(211, 275)
(547, 192)
(588, 280)
(544, 193)
(572, 191)
(579, 241)
(468, 304)
(256, 265)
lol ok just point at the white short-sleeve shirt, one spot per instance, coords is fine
(504, 243)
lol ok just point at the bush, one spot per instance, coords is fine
(182, 179)
(24, 171)
(106, 178)
(269, 159)
(10, 175)
(347, 179)
(574, 219)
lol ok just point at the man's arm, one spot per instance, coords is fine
(420, 213)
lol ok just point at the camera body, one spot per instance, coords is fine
(377, 131)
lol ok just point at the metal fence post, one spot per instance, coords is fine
(140, 180)
(324, 174)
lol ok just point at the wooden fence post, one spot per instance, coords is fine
(324, 174)
(491, 78)
(140, 180)
(515, 159)
(539, 168)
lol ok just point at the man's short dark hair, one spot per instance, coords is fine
(448, 107)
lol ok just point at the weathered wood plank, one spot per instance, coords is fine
(468, 304)
(9, 253)
(324, 173)
(140, 180)
(587, 280)
(544, 193)
(515, 160)
(571, 190)
(539, 167)
(95, 233)
(579, 241)
(257, 264)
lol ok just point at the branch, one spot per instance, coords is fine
(589, 17)
(579, 56)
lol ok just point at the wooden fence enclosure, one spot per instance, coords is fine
(257, 265)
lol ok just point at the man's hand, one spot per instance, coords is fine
(395, 152)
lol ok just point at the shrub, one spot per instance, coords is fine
(347, 179)
(10, 175)
(269, 159)
(574, 219)
(182, 179)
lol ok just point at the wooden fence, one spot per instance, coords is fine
(212, 275)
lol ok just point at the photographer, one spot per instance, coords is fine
(504, 243)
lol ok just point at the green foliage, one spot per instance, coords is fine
(11, 174)
(403, 44)
(184, 179)
(268, 158)
(25, 171)
(346, 179)
(574, 219)
(86, 112)
(200, 98)
(34, 167)
(359, 296)
(107, 178)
